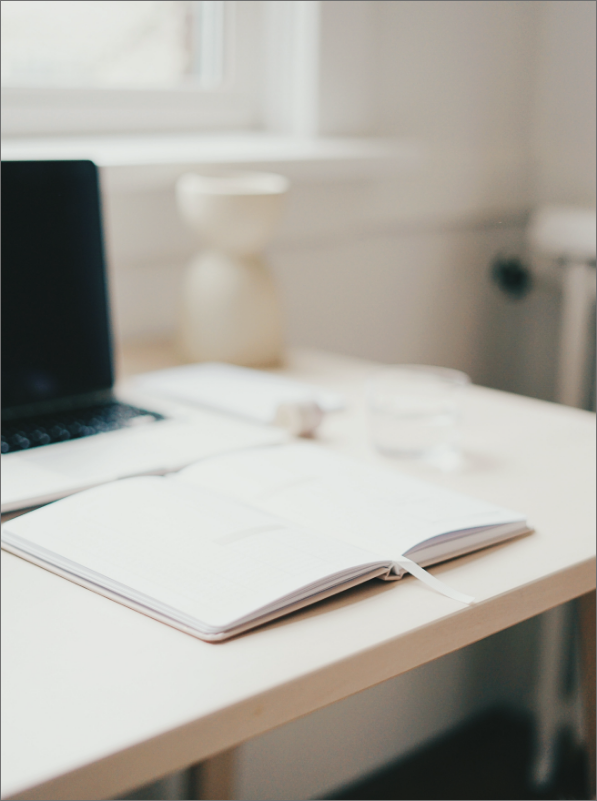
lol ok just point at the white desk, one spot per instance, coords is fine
(99, 699)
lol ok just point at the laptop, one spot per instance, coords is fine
(64, 428)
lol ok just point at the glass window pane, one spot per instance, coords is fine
(112, 43)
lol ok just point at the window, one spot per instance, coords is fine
(79, 66)
(126, 44)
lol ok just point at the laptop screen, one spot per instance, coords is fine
(56, 341)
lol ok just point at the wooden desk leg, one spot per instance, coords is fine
(213, 779)
(586, 613)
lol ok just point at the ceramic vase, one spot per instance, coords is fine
(230, 309)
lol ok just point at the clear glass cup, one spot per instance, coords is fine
(415, 411)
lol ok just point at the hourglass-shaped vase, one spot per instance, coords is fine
(230, 310)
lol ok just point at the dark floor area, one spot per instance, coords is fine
(489, 758)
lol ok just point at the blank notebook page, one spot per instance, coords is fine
(381, 510)
(192, 550)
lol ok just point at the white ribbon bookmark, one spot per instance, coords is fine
(431, 581)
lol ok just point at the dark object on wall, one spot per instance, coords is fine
(512, 276)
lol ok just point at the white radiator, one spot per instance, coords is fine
(563, 238)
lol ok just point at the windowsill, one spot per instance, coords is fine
(152, 161)
(392, 181)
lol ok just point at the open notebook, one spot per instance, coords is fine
(239, 539)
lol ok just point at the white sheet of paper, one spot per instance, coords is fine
(252, 394)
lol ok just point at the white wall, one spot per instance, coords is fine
(402, 296)
(563, 135)
(458, 73)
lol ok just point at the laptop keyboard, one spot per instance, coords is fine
(20, 435)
